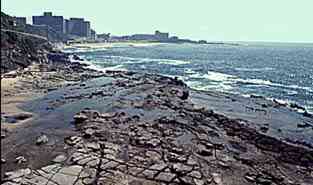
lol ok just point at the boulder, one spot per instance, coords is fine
(80, 118)
(20, 159)
(43, 139)
(59, 159)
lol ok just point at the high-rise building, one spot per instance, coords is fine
(20, 20)
(86, 29)
(57, 23)
(78, 27)
(93, 34)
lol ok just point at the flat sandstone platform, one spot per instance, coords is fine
(130, 128)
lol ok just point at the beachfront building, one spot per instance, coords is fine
(78, 27)
(161, 36)
(93, 34)
(57, 23)
(142, 37)
(157, 36)
(20, 20)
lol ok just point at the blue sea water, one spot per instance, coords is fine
(280, 71)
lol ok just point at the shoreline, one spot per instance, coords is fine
(293, 105)
(161, 121)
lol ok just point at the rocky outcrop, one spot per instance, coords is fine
(143, 129)
(18, 48)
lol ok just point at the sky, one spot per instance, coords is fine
(213, 20)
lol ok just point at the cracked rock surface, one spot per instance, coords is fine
(144, 129)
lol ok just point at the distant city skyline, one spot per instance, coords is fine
(214, 20)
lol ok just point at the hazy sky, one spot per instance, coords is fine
(218, 20)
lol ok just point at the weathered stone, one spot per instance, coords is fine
(93, 146)
(217, 178)
(59, 159)
(20, 159)
(88, 172)
(196, 174)
(71, 170)
(149, 174)
(61, 178)
(159, 167)
(51, 168)
(89, 132)
(80, 118)
(186, 180)
(17, 174)
(135, 170)
(166, 177)
(191, 161)
(109, 165)
(42, 140)
(202, 150)
(181, 168)
(154, 156)
(93, 163)
(172, 157)
(73, 140)
(37, 180)
(84, 161)
(88, 181)
(198, 182)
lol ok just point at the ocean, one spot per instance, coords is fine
(273, 70)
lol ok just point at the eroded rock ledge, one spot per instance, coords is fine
(151, 133)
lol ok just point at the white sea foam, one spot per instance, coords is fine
(254, 81)
(226, 79)
(174, 62)
(254, 69)
(189, 71)
(216, 76)
(130, 60)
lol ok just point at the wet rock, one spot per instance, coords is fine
(165, 177)
(89, 132)
(172, 157)
(217, 178)
(16, 174)
(97, 93)
(250, 177)
(17, 117)
(154, 156)
(307, 114)
(185, 95)
(181, 168)
(76, 57)
(264, 129)
(59, 159)
(202, 150)
(43, 139)
(93, 146)
(263, 181)
(73, 140)
(153, 142)
(3, 135)
(296, 106)
(191, 161)
(196, 174)
(159, 167)
(80, 118)
(304, 125)
(20, 159)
